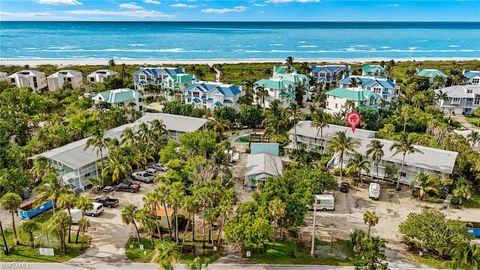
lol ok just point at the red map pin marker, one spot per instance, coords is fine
(353, 119)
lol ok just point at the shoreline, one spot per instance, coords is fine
(77, 62)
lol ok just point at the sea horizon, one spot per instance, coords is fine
(232, 40)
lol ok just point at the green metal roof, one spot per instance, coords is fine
(283, 70)
(274, 84)
(119, 95)
(351, 94)
(182, 78)
(431, 73)
(373, 68)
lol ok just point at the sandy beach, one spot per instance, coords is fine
(69, 62)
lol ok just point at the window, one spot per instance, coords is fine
(477, 100)
(336, 105)
(476, 81)
(469, 91)
(403, 174)
(121, 104)
(196, 94)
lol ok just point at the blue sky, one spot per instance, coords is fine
(240, 10)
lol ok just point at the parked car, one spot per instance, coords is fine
(344, 187)
(128, 186)
(325, 202)
(143, 176)
(152, 171)
(374, 191)
(107, 201)
(108, 189)
(159, 167)
(96, 210)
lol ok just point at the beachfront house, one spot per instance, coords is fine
(212, 95)
(430, 160)
(340, 99)
(268, 90)
(172, 81)
(58, 79)
(33, 79)
(74, 164)
(290, 74)
(329, 74)
(431, 74)
(120, 98)
(460, 99)
(100, 75)
(374, 71)
(472, 77)
(385, 87)
(3, 76)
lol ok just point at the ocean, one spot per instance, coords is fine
(237, 40)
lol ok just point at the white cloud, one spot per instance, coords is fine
(130, 6)
(139, 13)
(224, 10)
(59, 2)
(394, 5)
(258, 5)
(152, 2)
(183, 6)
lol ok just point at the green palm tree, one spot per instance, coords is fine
(41, 168)
(441, 96)
(59, 223)
(29, 227)
(161, 193)
(320, 120)
(128, 217)
(67, 201)
(225, 207)
(11, 202)
(294, 114)
(98, 142)
(151, 203)
(148, 221)
(277, 210)
(50, 189)
(219, 125)
(261, 94)
(117, 165)
(289, 62)
(463, 190)
(465, 256)
(375, 151)
(370, 218)
(404, 146)
(166, 254)
(129, 137)
(358, 164)
(175, 199)
(83, 225)
(84, 203)
(426, 187)
(341, 144)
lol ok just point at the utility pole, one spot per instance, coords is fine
(312, 251)
(4, 239)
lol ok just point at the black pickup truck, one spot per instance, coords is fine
(128, 186)
(107, 201)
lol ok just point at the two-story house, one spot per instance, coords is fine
(33, 79)
(338, 99)
(472, 76)
(385, 87)
(268, 90)
(290, 74)
(374, 71)
(172, 80)
(211, 95)
(121, 98)
(58, 79)
(431, 74)
(100, 75)
(461, 99)
(329, 74)
(3, 76)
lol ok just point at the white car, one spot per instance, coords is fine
(143, 176)
(374, 191)
(96, 210)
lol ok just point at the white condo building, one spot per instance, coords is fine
(100, 75)
(33, 79)
(58, 79)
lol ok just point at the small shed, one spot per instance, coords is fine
(260, 167)
(268, 148)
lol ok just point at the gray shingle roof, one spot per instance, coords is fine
(460, 91)
(305, 128)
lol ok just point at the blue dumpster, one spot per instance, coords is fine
(28, 211)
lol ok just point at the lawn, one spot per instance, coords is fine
(433, 262)
(473, 120)
(473, 202)
(135, 254)
(43, 238)
(293, 253)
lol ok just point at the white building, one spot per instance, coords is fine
(211, 95)
(337, 99)
(120, 98)
(100, 75)
(3, 76)
(472, 77)
(385, 87)
(58, 79)
(33, 79)
(74, 164)
(330, 73)
(462, 99)
(431, 160)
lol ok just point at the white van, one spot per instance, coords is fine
(325, 202)
(96, 210)
(374, 191)
(76, 215)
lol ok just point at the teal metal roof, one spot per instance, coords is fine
(431, 73)
(275, 84)
(119, 95)
(351, 94)
(269, 148)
